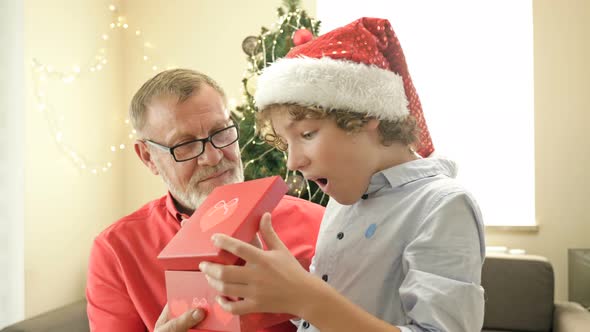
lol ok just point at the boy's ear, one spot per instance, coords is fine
(145, 155)
(373, 124)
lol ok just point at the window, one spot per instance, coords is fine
(472, 65)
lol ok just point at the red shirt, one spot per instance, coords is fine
(126, 286)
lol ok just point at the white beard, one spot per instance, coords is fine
(194, 195)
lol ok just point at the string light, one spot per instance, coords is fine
(46, 73)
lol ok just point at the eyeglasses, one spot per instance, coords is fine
(193, 149)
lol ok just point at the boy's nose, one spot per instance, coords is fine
(296, 160)
(211, 156)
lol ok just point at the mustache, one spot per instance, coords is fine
(223, 166)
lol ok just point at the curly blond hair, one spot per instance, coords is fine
(404, 130)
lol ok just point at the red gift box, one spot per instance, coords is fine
(189, 289)
(235, 210)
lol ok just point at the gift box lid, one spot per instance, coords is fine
(235, 210)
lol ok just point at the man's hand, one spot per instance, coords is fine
(180, 324)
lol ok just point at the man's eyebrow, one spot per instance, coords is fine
(218, 125)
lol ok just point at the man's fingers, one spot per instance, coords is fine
(180, 324)
(163, 316)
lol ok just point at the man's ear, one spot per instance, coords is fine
(144, 154)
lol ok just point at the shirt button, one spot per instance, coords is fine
(325, 277)
(340, 236)
(305, 324)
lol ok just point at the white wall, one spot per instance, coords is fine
(66, 207)
(11, 163)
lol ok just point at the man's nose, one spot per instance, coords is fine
(211, 155)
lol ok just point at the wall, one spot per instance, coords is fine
(11, 163)
(65, 207)
(562, 136)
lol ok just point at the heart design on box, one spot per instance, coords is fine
(200, 303)
(178, 307)
(218, 213)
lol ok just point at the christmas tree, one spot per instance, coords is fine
(294, 27)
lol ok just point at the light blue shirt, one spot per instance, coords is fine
(410, 253)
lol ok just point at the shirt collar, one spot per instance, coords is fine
(171, 207)
(411, 171)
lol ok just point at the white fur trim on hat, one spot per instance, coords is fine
(333, 84)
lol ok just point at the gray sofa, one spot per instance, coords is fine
(519, 298)
(70, 318)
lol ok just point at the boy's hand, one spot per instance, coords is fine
(181, 323)
(271, 281)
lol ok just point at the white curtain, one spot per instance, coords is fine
(472, 65)
(12, 114)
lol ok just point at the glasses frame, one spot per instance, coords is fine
(170, 149)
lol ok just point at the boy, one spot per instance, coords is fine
(401, 244)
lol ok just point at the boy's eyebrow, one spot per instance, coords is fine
(291, 124)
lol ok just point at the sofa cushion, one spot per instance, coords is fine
(70, 318)
(519, 293)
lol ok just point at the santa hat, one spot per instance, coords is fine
(359, 67)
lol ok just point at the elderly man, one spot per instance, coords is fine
(188, 138)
